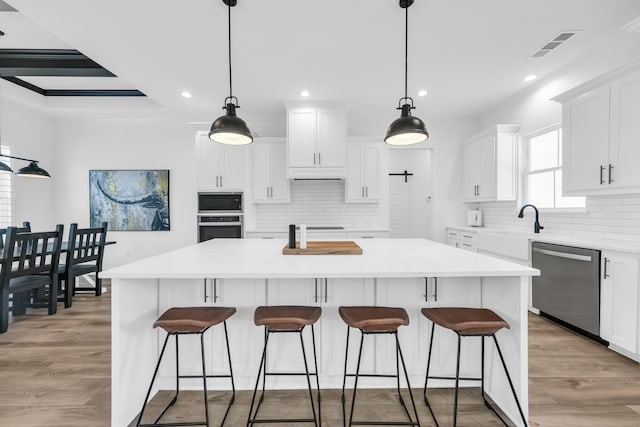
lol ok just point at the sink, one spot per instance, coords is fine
(509, 244)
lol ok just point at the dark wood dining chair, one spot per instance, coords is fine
(84, 254)
(26, 228)
(29, 261)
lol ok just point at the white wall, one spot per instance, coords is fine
(30, 134)
(87, 144)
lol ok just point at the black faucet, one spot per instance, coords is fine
(536, 226)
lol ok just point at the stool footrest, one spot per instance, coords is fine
(431, 377)
(384, 423)
(208, 376)
(283, 420)
(291, 373)
(194, 423)
(372, 375)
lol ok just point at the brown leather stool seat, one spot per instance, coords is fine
(375, 320)
(178, 321)
(466, 321)
(287, 320)
(192, 319)
(286, 317)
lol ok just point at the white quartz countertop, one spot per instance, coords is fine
(317, 230)
(560, 239)
(263, 258)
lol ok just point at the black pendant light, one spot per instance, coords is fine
(230, 129)
(407, 129)
(31, 171)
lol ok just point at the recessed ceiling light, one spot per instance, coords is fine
(530, 78)
(304, 93)
(186, 94)
(422, 92)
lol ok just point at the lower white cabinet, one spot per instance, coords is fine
(462, 239)
(619, 301)
(245, 340)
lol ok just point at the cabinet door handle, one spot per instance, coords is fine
(319, 161)
(435, 289)
(267, 192)
(606, 274)
(426, 289)
(601, 174)
(362, 188)
(220, 181)
(478, 190)
(610, 173)
(206, 297)
(366, 192)
(271, 191)
(314, 158)
(315, 299)
(215, 290)
(217, 185)
(326, 291)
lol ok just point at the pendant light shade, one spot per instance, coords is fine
(33, 171)
(229, 128)
(407, 129)
(5, 168)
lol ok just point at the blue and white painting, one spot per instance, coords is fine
(129, 200)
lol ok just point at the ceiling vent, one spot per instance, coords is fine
(553, 44)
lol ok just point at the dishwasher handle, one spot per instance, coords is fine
(567, 255)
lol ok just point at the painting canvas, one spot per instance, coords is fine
(129, 200)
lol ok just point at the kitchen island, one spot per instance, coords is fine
(245, 273)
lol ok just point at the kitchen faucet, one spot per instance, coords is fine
(536, 226)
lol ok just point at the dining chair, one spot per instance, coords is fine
(84, 253)
(29, 261)
(26, 228)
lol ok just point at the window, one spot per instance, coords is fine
(5, 191)
(543, 171)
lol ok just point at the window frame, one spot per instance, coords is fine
(6, 221)
(526, 170)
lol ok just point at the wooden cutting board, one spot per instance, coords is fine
(346, 247)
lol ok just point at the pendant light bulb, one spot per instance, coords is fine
(408, 129)
(230, 129)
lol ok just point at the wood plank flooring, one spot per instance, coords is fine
(54, 372)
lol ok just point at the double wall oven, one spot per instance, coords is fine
(220, 216)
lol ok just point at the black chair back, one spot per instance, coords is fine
(85, 251)
(29, 261)
(26, 228)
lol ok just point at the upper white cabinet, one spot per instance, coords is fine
(601, 131)
(220, 167)
(363, 172)
(490, 165)
(316, 142)
(270, 183)
(619, 301)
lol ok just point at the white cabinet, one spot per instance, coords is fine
(245, 340)
(490, 165)
(316, 142)
(619, 301)
(462, 239)
(413, 295)
(220, 167)
(330, 330)
(270, 183)
(363, 172)
(363, 234)
(600, 136)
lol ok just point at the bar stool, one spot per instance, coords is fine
(376, 321)
(467, 322)
(286, 319)
(188, 321)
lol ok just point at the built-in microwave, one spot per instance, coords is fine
(219, 202)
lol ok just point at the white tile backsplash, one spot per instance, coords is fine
(320, 203)
(614, 218)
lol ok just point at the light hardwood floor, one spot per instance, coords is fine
(54, 372)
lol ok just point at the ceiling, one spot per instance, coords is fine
(468, 54)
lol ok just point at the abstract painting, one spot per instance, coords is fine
(129, 200)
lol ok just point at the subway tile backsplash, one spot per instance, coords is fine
(606, 217)
(320, 203)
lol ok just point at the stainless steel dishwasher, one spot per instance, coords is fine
(568, 287)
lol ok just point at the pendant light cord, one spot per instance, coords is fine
(406, 48)
(229, 26)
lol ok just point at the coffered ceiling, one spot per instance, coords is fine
(468, 54)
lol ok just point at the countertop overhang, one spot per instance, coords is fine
(262, 258)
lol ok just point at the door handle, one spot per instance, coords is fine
(220, 181)
(326, 291)
(610, 173)
(426, 289)
(435, 289)
(314, 158)
(366, 192)
(217, 184)
(206, 297)
(319, 161)
(606, 274)
(567, 255)
(316, 289)
(601, 174)
(215, 290)
(362, 188)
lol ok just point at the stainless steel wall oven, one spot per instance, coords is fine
(220, 216)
